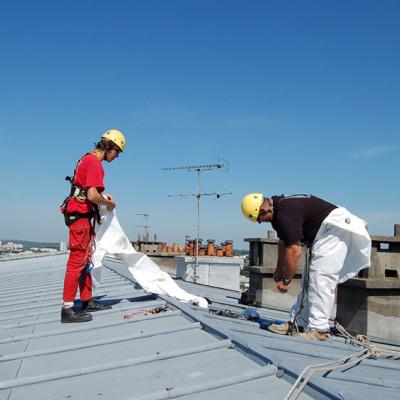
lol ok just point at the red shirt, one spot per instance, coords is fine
(89, 173)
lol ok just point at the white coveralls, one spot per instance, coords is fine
(111, 239)
(342, 247)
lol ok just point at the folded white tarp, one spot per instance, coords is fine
(111, 239)
(359, 245)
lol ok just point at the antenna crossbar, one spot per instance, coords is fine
(217, 195)
(202, 167)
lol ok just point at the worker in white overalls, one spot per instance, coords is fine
(340, 247)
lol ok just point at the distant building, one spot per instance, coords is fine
(43, 249)
(11, 247)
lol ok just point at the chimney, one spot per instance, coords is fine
(202, 250)
(192, 245)
(211, 247)
(228, 248)
(187, 245)
(220, 251)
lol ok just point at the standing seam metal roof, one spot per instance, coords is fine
(183, 352)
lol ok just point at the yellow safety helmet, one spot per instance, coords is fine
(116, 137)
(251, 204)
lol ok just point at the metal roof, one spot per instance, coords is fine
(182, 352)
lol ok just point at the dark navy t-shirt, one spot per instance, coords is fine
(299, 217)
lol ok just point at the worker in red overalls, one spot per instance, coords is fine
(81, 211)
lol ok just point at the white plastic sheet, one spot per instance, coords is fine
(358, 244)
(111, 239)
(342, 247)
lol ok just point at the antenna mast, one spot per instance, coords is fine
(145, 226)
(198, 169)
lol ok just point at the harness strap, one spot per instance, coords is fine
(79, 193)
(73, 217)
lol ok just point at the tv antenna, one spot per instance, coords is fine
(198, 169)
(146, 225)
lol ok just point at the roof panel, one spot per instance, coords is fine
(182, 352)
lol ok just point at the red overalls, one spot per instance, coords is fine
(81, 235)
(89, 173)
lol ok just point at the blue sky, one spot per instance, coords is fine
(298, 96)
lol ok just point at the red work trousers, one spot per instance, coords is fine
(81, 235)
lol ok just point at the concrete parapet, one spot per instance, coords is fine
(370, 306)
(166, 261)
(223, 272)
(267, 295)
(385, 258)
(263, 252)
(263, 257)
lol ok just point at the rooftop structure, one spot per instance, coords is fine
(131, 352)
(368, 304)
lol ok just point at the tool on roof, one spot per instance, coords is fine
(151, 311)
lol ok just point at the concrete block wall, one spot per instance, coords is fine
(263, 257)
(370, 307)
(370, 303)
(385, 258)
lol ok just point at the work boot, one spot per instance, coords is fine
(283, 329)
(314, 334)
(280, 329)
(70, 315)
(92, 306)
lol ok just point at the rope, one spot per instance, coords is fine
(370, 350)
(365, 342)
(293, 327)
(347, 361)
